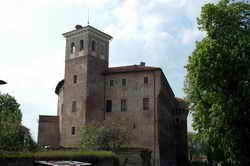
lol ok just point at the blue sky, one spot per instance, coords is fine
(159, 32)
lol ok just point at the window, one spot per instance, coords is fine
(145, 103)
(109, 106)
(102, 49)
(75, 79)
(81, 45)
(72, 48)
(123, 105)
(145, 80)
(124, 82)
(111, 83)
(177, 120)
(61, 107)
(93, 45)
(73, 106)
(134, 126)
(73, 130)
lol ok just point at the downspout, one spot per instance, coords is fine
(154, 121)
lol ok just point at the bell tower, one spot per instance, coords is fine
(86, 58)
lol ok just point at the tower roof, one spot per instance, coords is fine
(88, 28)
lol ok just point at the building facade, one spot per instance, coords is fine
(93, 91)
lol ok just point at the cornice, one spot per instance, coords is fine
(87, 29)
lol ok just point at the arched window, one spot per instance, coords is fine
(81, 45)
(93, 45)
(72, 48)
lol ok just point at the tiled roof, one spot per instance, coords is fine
(79, 28)
(131, 68)
(46, 118)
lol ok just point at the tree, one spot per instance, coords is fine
(218, 80)
(10, 122)
(89, 136)
(107, 135)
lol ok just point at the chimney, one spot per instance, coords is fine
(142, 64)
(78, 27)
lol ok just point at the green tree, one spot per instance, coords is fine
(107, 135)
(89, 136)
(10, 123)
(218, 80)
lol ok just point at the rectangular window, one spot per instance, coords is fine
(111, 83)
(81, 45)
(123, 105)
(145, 103)
(75, 79)
(109, 106)
(73, 106)
(145, 80)
(73, 130)
(124, 82)
(61, 107)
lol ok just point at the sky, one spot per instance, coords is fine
(161, 33)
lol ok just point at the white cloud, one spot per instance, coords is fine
(191, 35)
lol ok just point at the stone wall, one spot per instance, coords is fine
(142, 121)
(48, 131)
(74, 92)
(87, 93)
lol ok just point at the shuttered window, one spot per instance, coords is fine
(109, 106)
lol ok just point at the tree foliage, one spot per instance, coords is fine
(10, 123)
(107, 135)
(13, 135)
(218, 80)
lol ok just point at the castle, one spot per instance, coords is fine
(91, 90)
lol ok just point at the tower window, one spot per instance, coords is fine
(73, 106)
(111, 83)
(72, 48)
(109, 106)
(145, 80)
(145, 103)
(81, 45)
(93, 45)
(124, 82)
(123, 105)
(75, 79)
(73, 130)
(134, 126)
